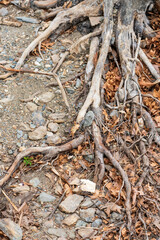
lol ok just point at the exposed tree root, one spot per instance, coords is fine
(101, 148)
(48, 152)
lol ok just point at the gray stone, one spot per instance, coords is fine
(38, 118)
(87, 214)
(31, 106)
(58, 218)
(97, 223)
(46, 97)
(116, 216)
(71, 203)
(45, 197)
(11, 229)
(10, 151)
(71, 234)
(55, 139)
(48, 223)
(38, 133)
(87, 203)
(114, 113)
(81, 223)
(53, 127)
(89, 158)
(87, 232)
(19, 133)
(78, 83)
(58, 232)
(3, 12)
(34, 181)
(71, 219)
(89, 117)
(28, 20)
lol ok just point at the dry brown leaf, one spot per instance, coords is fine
(111, 207)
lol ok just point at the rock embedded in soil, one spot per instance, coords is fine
(45, 197)
(81, 223)
(87, 203)
(86, 232)
(46, 97)
(88, 214)
(55, 139)
(71, 219)
(31, 106)
(53, 127)
(35, 182)
(10, 229)
(71, 203)
(38, 118)
(58, 232)
(21, 189)
(97, 223)
(89, 117)
(38, 133)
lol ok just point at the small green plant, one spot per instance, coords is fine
(27, 161)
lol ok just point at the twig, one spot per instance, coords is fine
(150, 96)
(117, 165)
(55, 208)
(144, 224)
(10, 201)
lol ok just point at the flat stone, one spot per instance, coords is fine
(71, 203)
(87, 203)
(31, 106)
(46, 97)
(11, 229)
(35, 182)
(58, 232)
(45, 197)
(55, 139)
(87, 232)
(71, 220)
(53, 127)
(38, 133)
(88, 214)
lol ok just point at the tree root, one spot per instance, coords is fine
(49, 152)
(101, 148)
(94, 92)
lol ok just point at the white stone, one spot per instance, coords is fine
(87, 186)
(21, 189)
(71, 203)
